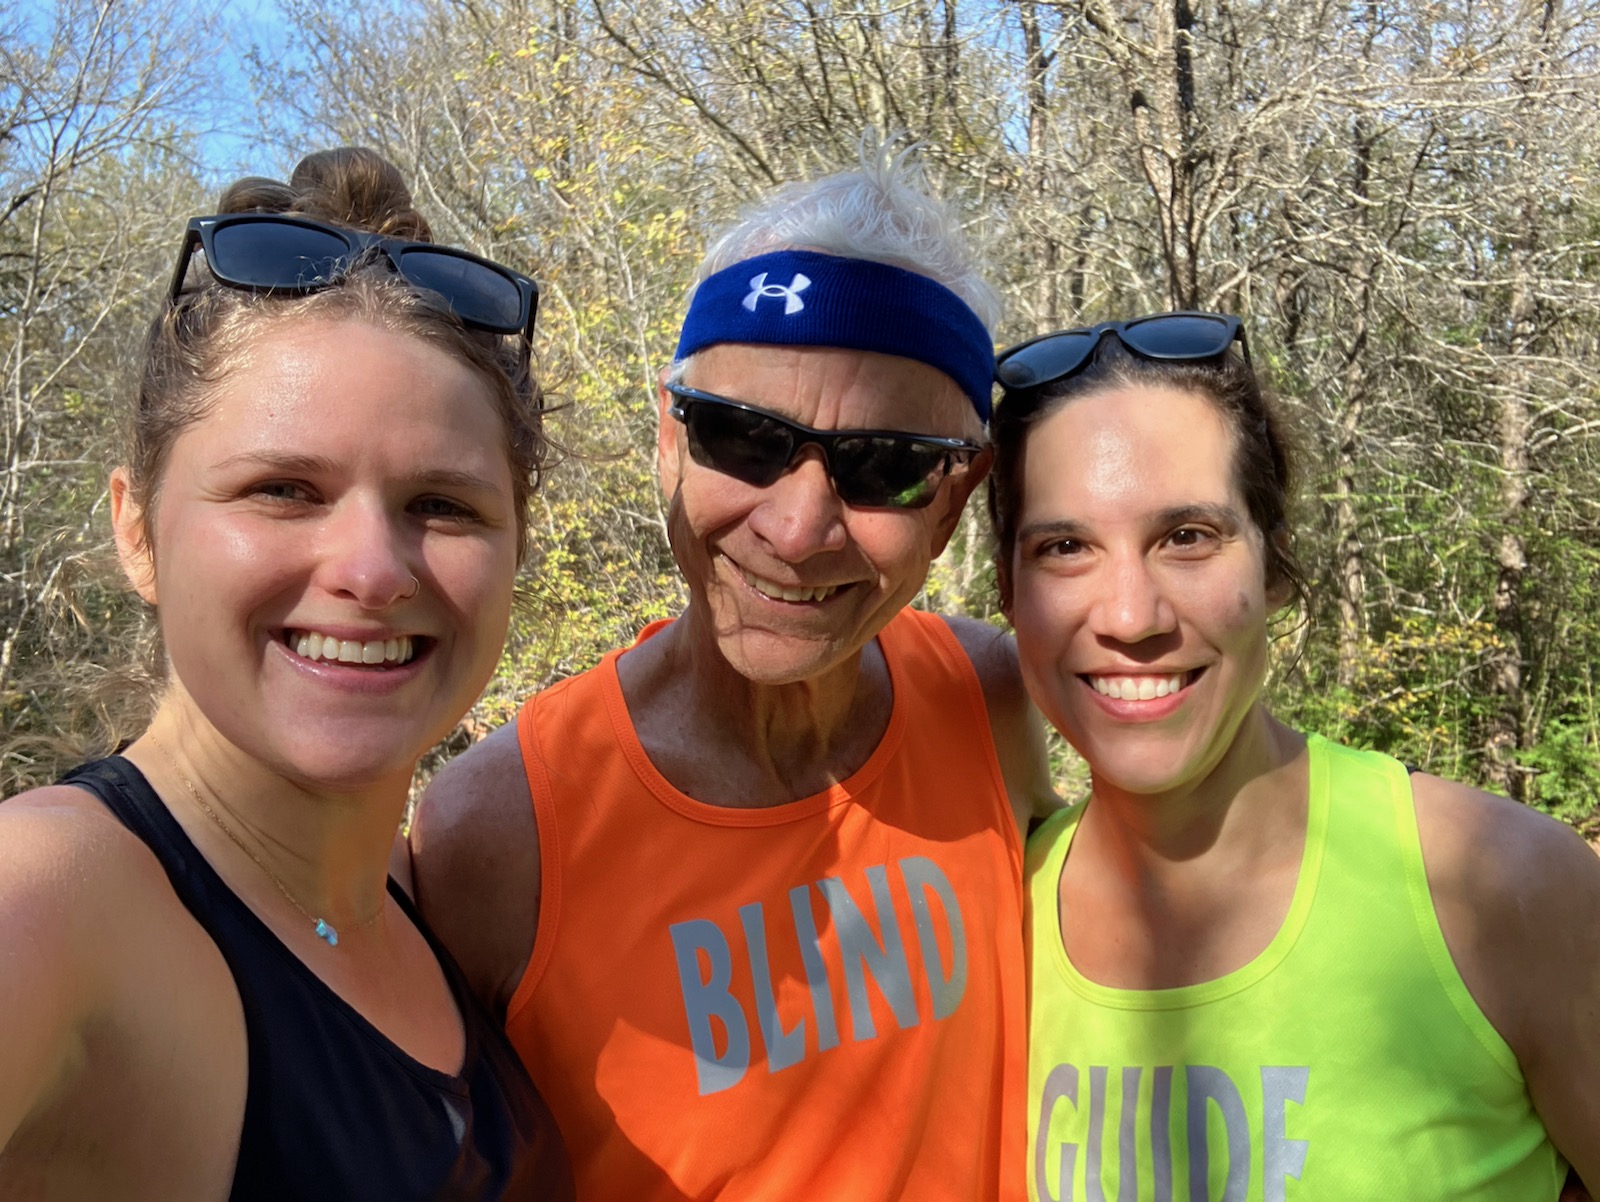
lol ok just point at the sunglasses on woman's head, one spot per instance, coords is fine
(872, 469)
(278, 253)
(1051, 358)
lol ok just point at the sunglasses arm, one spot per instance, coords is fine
(185, 255)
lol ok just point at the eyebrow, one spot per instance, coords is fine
(1217, 515)
(450, 478)
(1225, 516)
(284, 462)
(1059, 528)
(315, 465)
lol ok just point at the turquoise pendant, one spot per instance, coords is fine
(326, 932)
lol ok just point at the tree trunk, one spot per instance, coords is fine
(1507, 726)
(1350, 568)
(1046, 301)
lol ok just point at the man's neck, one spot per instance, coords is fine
(724, 739)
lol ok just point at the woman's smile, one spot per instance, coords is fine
(382, 652)
(1140, 687)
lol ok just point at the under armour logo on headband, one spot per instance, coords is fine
(792, 302)
(860, 305)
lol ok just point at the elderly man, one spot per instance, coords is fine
(747, 894)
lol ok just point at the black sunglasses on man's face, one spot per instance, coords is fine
(874, 469)
(279, 253)
(1051, 358)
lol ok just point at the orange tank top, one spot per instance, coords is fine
(822, 999)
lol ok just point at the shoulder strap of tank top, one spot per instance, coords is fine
(454, 976)
(122, 788)
(119, 784)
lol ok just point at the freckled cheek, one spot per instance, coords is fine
(209, 560)
(480, 565)
(498, 583)
(1221, 604)
(1044, 618)
(1248, 611)
(1053, 594)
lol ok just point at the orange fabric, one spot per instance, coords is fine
(717, 1005)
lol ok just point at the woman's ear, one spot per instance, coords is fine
(133, 537)
(1002, 580)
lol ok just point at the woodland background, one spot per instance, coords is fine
(1403, 199)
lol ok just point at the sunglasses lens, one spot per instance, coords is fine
(273, 254)
(476, 293)
(878, 472)
(890, 473)
(1179, 336)
(748, 446)
(1048, 359)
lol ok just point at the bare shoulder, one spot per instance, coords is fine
(124, 1050)
(69, 874)
(1015, 724)
(1518, 898)
(475, 864)
(78, 879)
(992, 651)
(1511, 866)
(67, 859)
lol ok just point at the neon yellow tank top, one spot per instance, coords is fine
(1347, 1062)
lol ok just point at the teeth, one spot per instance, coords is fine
(1137, 688)
(784, 592)
(308, 644)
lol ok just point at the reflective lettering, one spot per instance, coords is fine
(784, 1048)
(923, 876)
(711, 998)
(1213, 1124)
(805, 929)
(1127, 1162)
(1061, 1085)
(863, 954)
(1281, 1156)
(1161, 1133)
(1207, 1084)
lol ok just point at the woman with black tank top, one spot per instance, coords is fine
(210, 986)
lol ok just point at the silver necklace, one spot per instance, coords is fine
(325, 930)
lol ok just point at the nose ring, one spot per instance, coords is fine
(416, 587)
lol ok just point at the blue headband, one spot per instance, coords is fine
(829, 300)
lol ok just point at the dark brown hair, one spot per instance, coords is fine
(200, 338)
(1263, 454)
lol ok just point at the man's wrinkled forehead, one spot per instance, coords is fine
(802, 298)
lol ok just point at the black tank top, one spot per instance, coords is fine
(333, 1108)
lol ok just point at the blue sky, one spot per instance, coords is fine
(246, 24)
(229, 147)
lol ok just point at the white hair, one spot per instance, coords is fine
(882, 211)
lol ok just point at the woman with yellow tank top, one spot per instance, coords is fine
(1262, 966)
